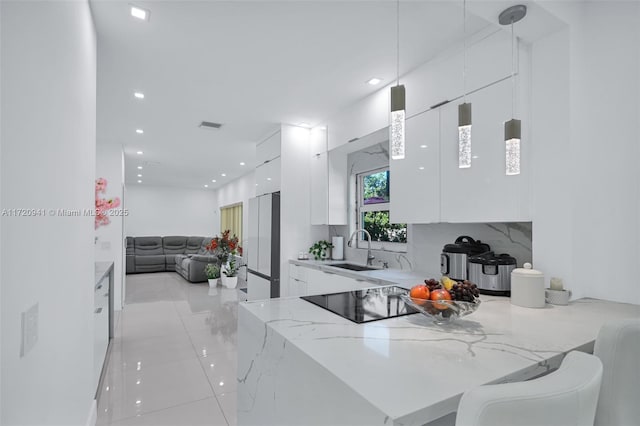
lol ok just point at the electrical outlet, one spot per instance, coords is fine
(29, 329)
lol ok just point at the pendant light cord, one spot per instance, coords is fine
(398, 42)
(513, 73)
(464, 65)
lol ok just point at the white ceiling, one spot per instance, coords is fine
(248, 65)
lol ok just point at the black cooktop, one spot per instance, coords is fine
(365, 305)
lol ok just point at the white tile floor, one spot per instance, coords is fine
(173, 360)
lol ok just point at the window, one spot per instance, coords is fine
(373, 212)
(231, 219)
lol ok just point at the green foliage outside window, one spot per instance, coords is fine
(377, 223)
(376, 188)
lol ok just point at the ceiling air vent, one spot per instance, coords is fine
(210, 125)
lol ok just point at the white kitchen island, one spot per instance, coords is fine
(300, 364)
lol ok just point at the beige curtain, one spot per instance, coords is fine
(231, 219)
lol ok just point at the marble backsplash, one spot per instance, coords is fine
(426, 242)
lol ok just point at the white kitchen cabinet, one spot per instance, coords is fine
(268, 177)
(323, 282)
(415, 180)
(268, 149)
(101, 327)
(297, 288)
(483, 193)
(258, 288)
(338, 182)
(319, 188)
(360, 119)
(318, 141)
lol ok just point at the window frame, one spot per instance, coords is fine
(361, 208)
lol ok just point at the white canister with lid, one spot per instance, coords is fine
(527, 287)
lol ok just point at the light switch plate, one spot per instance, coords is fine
(106, 245)
(29, 329)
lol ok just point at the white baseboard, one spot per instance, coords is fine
(93, 414)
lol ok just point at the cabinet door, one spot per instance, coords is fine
(268, 177)
(257, 287)
(264, 235)
(338, 188)
(297, 288)
(319, 189)
(268, 149)
(415, 180)
(483, 193)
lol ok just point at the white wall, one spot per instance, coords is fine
(110, 244)
(586, 124)
(48, 133)
(236, 191)
(164, 211)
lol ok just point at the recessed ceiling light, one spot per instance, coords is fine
(421, 167)
(138, 95)
(303, 124)
(373, 81)
(206, 186)
(242, 163)
(139, 13)
(475, 157)
(139, 167)
(139, 131)
(268, 178)
(423, 146)
(321, 128)
(139, 175)
(139, 152)
(213, 180)
(223, 174)
(139, 181)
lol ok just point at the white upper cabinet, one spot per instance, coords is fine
(318, 141)
(415, 180)
(359, 120)
(319, 189)
(268, 149)
(268, 177)
(483, 192)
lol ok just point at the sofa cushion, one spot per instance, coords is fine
(146, 246)
(203, 247)
(174, 245)
(154, 259)
(129, 245)
(193, 244)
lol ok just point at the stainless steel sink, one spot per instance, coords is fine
(354, 267)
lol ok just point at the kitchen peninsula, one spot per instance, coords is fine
(300, 364)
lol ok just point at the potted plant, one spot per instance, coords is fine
(320, 249)
(230, 273)
(213, 274)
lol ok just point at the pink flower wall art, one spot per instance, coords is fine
(103, 205)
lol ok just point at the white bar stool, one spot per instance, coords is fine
(568, 396)
(618, 347)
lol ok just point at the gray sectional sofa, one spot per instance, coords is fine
(187, 256)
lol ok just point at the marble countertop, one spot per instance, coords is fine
(379, 276)
(415, 371)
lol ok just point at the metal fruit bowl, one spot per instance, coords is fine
(441, 311)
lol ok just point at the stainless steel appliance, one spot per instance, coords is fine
(491, 273)
(263, 247)
(365, 305)
(454, 257)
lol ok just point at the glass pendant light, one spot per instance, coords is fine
(464, 109)
(396, 127)
(513, 127)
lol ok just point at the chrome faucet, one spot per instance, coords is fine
(370, 256)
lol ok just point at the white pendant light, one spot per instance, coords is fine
(513, 127)
(464, 109)
(396, 126)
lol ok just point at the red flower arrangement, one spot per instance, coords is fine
(222, 247)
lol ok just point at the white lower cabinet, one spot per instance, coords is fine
(258, 288)
(322, 282)
(101, 328)
(297, 287)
